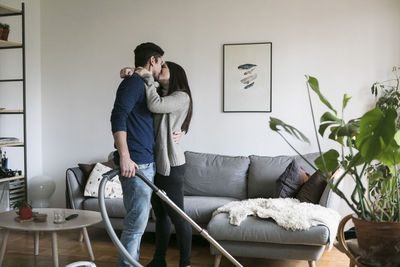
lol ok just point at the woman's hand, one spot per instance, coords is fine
(126, 72)
(176, 136)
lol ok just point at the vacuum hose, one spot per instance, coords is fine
(109, 175)
(110, 230)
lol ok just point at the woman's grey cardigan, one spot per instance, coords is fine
(169, 114)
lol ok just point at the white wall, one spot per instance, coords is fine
(11, 93)
(346, 44)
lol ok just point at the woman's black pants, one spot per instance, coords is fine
(173, 186)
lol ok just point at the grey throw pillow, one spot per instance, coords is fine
(290, 181)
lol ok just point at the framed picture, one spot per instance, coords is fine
(247, 77)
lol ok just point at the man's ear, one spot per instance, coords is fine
(152, 60)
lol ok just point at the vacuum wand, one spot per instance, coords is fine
(110, 230)
(109, 175)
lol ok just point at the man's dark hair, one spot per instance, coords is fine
(145, 51)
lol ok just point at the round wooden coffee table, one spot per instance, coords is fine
(85, 218)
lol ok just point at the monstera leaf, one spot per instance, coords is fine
(376, 135)
(313, 82)
(274, 123)
(328, 161)
(328, 119)
(350, 129)
(338, 128)
(346, 99)
(390, 154)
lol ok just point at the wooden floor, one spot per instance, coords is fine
(19, 252)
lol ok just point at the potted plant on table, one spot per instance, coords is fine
(24, 210)
(1, 29)
(6, 31)
(369, 154)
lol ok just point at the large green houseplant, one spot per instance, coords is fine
(368, 152)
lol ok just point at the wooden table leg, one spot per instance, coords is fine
(87, 241)
(217, 260)
(3, 246)
(54, 247)
(36, 246)
(81, 236)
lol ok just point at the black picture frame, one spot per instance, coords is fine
(247, 77)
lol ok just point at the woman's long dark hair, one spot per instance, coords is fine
(179, 82)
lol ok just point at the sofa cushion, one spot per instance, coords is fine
(264, 171)
(290, 181)
(215, 175)
(115, 206)
(254, 229)
(200, 208)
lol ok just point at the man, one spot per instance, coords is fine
(132, 127)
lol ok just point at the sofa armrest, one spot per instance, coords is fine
(75, 186)
(330, 199)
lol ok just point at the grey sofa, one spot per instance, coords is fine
(215, 180)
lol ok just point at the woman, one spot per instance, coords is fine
(172, 107)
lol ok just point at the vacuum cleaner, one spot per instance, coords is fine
(108, 176)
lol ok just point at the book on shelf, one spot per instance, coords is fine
(8, 140)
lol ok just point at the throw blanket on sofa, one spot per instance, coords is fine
(289, 213)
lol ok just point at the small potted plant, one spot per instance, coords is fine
(1, 29)
(6, 31)
(24, 210)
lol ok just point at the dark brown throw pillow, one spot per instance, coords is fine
(290, 181)
(312, 190)
(87, 168)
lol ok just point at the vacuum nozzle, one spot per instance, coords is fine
(110, 174)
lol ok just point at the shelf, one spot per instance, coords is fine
(9, 44)
(17, 186)
(11, 80)
(6, 179)
(17, 195)
(11, 111)
(5, 10)
(18, 183)
(11, 144)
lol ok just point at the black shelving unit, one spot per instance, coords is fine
(17, 184)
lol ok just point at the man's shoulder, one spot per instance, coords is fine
(133, 81)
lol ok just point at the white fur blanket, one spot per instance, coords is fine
(289, 213)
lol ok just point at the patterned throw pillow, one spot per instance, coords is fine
(113, 188)
(87, 168)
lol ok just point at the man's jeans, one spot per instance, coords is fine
(137, 196)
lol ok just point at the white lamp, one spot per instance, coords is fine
(41, 188)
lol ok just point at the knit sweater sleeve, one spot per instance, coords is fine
(167, 104)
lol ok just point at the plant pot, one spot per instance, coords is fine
(4, 35)
(379, 242)
(1, 31)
